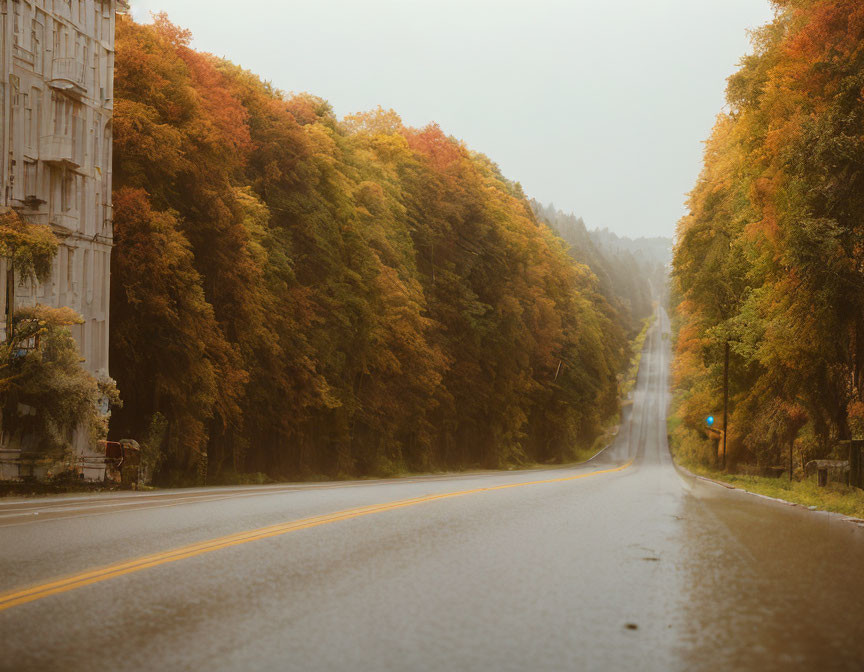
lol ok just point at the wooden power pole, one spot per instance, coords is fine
(725, 400)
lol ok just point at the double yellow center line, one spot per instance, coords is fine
(63, 585)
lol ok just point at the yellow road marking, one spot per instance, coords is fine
(63, 585)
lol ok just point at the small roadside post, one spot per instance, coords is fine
(791, 466)
(718, 435)
(855, 478)
(855, 446)
(725, 398)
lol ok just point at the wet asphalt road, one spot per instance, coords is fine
(641, 568)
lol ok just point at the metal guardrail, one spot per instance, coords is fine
(120, 463)
(27, 461)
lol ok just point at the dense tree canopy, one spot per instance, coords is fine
(771, 257)
(300, 296)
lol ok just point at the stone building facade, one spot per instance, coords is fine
(56, 101)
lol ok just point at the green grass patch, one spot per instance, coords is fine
(833, 497)
(673, 422)
(32, 488)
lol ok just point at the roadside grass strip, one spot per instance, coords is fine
(835, 497)
(63, 585)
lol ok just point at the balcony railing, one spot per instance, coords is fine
(61, 149)
(24, 54)
(64, 224)
(67, 73)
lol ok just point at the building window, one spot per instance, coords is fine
(37, 37)
(37, 121)
(31, 179)
(97, 84)
(32, 113)
(28, 125)
(70, 270)
(68, 194)
(16, 22)
(59, 111)
(96, 154)
(103, 273)
(86, 297)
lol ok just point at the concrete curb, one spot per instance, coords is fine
(841, 516)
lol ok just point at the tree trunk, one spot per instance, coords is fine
(725, 401)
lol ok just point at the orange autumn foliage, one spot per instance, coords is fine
(770, 258)
(302, 296)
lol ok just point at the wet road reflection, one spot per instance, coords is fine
(769, 586)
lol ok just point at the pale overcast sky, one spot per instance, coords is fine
(598, 106)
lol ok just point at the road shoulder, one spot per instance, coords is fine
(685, 473)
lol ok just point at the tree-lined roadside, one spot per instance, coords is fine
(295, 296)
(769, 262)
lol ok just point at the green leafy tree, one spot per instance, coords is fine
(45, 393)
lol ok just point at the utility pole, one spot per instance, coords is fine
(791, 444)
(725, 400)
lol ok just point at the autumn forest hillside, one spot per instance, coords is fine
(300, 296)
